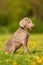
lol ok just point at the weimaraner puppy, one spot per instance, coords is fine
(20, 37)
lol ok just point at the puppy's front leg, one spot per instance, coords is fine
(25, 48)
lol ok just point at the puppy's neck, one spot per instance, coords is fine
(24, 29)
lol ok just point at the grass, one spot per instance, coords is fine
(34, 56)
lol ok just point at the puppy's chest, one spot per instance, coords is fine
(21, 36)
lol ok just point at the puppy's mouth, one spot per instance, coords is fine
(31, 28)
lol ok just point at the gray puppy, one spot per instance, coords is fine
(20, 37)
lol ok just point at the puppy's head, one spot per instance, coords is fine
(26, 23)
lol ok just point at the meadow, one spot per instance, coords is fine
(34, 56)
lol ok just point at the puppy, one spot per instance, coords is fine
(20, 37)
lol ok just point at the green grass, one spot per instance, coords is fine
(34, 56)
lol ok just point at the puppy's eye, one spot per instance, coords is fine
(29, 21)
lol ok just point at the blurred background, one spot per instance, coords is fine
(12, 11)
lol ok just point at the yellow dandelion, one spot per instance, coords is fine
(6, 53)
(42, 58)
(36, 57)
(0, 49)
(39, 60)
(32, 43)
(38, 49)
(7, 60)
(14, 63)
(26, 59)
(16, 56)
(33, 63)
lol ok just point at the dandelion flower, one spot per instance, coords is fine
(39, 60)
(0, 49)
(14, 63)
(6, 53)
(26, 59)
(7, 60)
(33, 63)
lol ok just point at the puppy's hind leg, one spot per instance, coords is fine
(12, 49)
(9, 47)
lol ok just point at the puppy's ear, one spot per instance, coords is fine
(22, 23)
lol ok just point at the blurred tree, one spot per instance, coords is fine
(37, 8)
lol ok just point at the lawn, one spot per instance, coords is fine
(34, 56)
